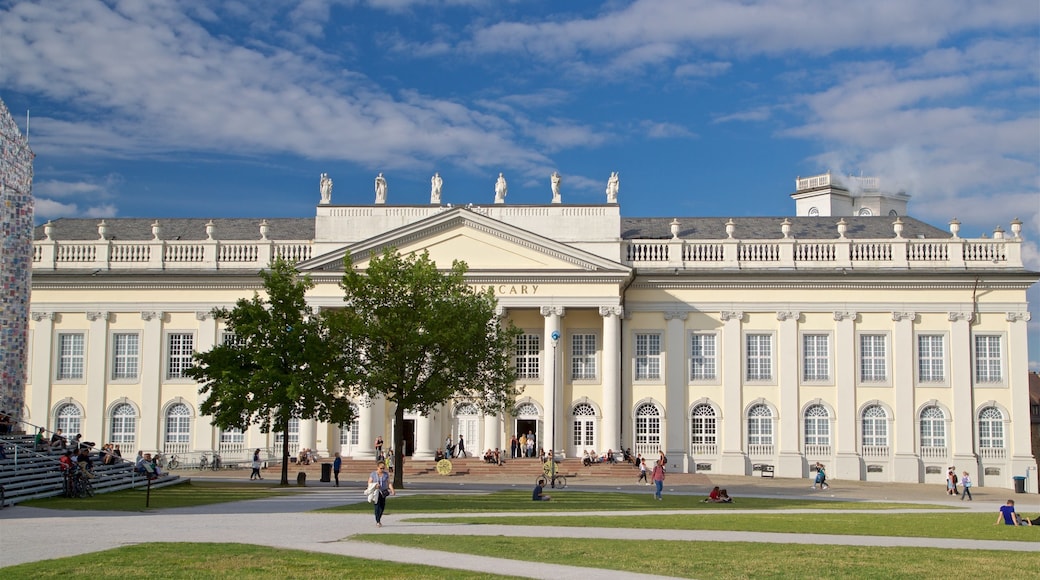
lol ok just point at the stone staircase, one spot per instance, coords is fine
(27, 474)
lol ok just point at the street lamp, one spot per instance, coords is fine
(552, 443)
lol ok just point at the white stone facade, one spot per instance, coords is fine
(884, 348)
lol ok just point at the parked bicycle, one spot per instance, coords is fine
(173, 463)
(204, 461)
(216, 461)
(552, 475)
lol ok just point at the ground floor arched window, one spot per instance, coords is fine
(350, 433)
(583, 427)
(68, 418)
(991, 430)
(648, 429)
(467, 425)
(178, 427)
(123, 430)
(704, 430)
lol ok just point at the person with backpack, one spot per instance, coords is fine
(951, 481)
(821, 477)
(966, 482)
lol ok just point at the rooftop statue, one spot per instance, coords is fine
(325, 187)
(612, 187)
(436, 183)
(555, 179)
(501, 189)
(380, 189)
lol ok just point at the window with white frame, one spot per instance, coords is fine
(69, 419)
(816, 357)
(933, 427)
(817, 425)
(759, 357)
(703, 357)
(991, 428)
(760, 425)
(179, 348)
(987, 359)
(648, 356)
(350, 434)
(703, 425)
(528, 356)
(584, 426)
(124, 424)
(232, 339)
(70, 356)
(648, 428)
(875, 426)
(178, 424)
(583, 356)
(294, 435)
(232, 436)
(873, 359)
(126, 353)
(931, 358)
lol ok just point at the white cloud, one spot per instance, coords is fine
(660, 130)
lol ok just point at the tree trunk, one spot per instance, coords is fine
(285, 452)
(398, 451)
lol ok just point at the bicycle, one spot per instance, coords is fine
(173, 463)
(551, 475)
(203, 461)
(216, 461)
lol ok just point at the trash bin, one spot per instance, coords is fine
(1020, 483)
(326, 472)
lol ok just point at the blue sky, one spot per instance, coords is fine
(153, 108)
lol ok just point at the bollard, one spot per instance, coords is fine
(301, 479)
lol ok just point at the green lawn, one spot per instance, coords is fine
(732, 559)
(193, 493)
(223, 561)
(576, 501)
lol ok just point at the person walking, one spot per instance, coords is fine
(337, 465)
(642, 473)
(380, 478)
(951, 481)
(821, 477)
(966, 482)
(658, 477)
(256, 466)
(462, 448)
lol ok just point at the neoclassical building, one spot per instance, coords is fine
(849, 333)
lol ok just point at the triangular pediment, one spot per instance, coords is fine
(485, 244)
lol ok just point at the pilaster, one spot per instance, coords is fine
(205, 341)
(675, 391)
(1018, 383)
(611, 426)
(42, 373)
(151, 380)
(552, 393)
(732, 460)
(962, 440)
(787, 357)
(94, 419)
(848, 461)
(906, 466)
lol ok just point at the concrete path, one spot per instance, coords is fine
(284, 521)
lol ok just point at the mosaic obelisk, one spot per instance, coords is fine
(16, 231)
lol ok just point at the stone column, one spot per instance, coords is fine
(611, 425)
(848, 462)
(1017, 379)
(904, 441)
(674, 427)
(370, 425)
(43, 356)
(552, 393)
(424, 441)
(308, 434)
(962, 440)
(787, 359)
(732, 461)
(492, 432)
(151, 372)
(94, 418)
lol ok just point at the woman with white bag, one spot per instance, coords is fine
(379, 487)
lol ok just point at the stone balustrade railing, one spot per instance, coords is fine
(844, 253)
(165, 254)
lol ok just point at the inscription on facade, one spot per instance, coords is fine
(509, 289)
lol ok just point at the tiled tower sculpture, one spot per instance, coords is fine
(16, 228)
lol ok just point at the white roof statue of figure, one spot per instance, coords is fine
(501, 189)
(436, 183)
(325, 187)
(555, 180)
(380, 189)
(612, 187)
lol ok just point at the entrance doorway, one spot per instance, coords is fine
(525, 426)
(407, 447)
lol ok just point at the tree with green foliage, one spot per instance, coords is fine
(420, 338)
(278, 365)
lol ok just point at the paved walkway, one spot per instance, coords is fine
(283, 522)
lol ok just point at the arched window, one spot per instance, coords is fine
(68, 418)
(648, 429)
(817, 426)
(991, 428)
(350, 434)
(124, 425)
(178, 424)
(584, 430)
(865, 211)
(933, 427)
(760, 425)
(527, 411)
(875, 427)
(467, 425)
(703, 426)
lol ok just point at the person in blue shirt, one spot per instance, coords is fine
(537, 494)
(337, 465)
(1009, 516)
(381, 479)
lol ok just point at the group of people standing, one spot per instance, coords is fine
(952, 481)
(522, 446)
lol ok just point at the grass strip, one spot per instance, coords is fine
(974, 526)
(193, 493)
(731, 559)
(202, 560)
(578, 501)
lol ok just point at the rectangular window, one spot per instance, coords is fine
(648, 357)
(583, 356)
(70, 356)
(125, 355)
(872, 358)
(816, 357)
(759, 357)
(987, 359)
(528, 356)
(232, 339)
(702, 357)
(930, 359)
(179, 347)
(232, 436)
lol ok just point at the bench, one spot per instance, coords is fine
(764, 469)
